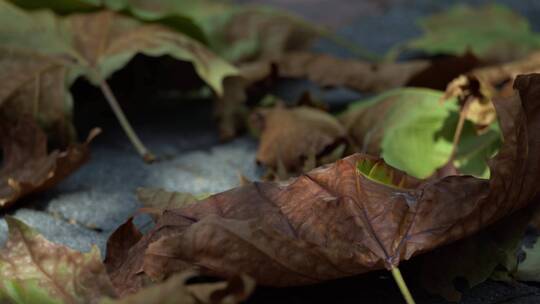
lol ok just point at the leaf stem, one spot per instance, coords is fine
(139, 146)
(402, 286)
(459, 130)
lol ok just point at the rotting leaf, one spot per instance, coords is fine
(28, 167)
(334, 222)
(293, 135)
(493, 33)
(34, 270)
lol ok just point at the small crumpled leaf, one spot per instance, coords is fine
(476, 258)
(335, 222)
(177, 290)
(34, 270)
(290, 136)
(27, 165)
(476, 95)
(493, 33)
(401, 125)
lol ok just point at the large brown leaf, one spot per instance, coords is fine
(28, 167)
(335, 221)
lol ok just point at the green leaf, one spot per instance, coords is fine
(34, 270)
(413, 131)
(491, 32)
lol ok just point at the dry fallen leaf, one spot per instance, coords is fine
(35, 85)
(290, 136)
(327, 70)
(336, 221)
(27, 165)
(34, 270)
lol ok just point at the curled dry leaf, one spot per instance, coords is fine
(28, 167)
(34, 270)
(290, 136)
(337, 221)
(474, 96)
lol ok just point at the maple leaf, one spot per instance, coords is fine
(28, 167)
(335, 221)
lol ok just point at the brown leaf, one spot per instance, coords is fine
(335, 221)
(292, 135)
(118, 244)
(476, 96)
(28, 167)
(327, 70)
(498, 74)
(35, 85)
(30, 265)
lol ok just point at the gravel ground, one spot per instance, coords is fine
(85, 208)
